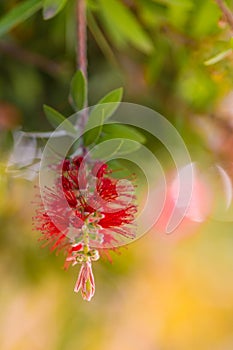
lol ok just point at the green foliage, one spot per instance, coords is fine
(78, 91)
(123, 139)
(179, 12)
(188, 61)
(115, 147)
(19, 14)
(55, 119)
(196, 88)
(114, 96)
(205, 20)
(123, 131)
(101, 112)
(52, 7)
(122, 26)
(102, 42)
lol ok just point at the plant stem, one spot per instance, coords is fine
(81, 27)
(226, 12)
(85, 239)
(81, 54)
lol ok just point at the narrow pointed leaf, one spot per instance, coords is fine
(125, 25)
(101, 112)
(55, 119)
(19, 14)
(52, 7)
(113, 96)
(122, 131)
(78, 91)
(114, 148)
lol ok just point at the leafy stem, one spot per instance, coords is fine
(81, 51)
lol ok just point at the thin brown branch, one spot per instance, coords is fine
(34, 59)
(81, 54)
(81, 36)
(227, 13)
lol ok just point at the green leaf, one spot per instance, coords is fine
(116, 37)
(78, 91)
(112, 97)
(52, 7)
(92, 135)
(179, 14)
(18, 14)
(124, 25)
(55, 119)
(114, 148)
(101, 112)
(122, 131)
(205, 20)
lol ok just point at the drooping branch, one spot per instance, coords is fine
(227, 13)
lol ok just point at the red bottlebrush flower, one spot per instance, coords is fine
(99, 169)
(86, 210)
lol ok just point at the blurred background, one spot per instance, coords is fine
(162, 292)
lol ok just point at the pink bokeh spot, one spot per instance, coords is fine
(197, 211)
